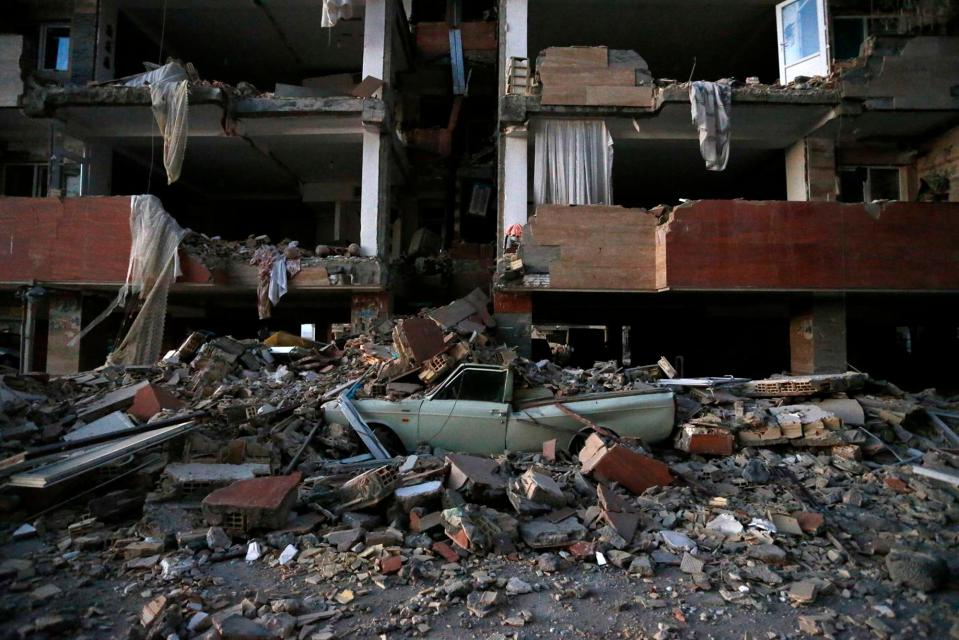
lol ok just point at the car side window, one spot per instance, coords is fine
(477, 385)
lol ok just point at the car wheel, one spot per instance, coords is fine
(578, 441)
(390, 441)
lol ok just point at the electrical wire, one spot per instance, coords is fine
(159, 62)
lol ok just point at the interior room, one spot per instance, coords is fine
(733, 38)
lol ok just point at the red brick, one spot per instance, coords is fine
(151, 399)
(391, 564)
(718, 443)
(810, 521)
(264, 503)
(581, 549)
(617, 463)
(446, 551)
(897, 485)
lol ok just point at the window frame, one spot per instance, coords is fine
(459, 377)
(42, 48)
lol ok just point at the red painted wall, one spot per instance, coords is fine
(736, 244)
(64, 240)
(72, 240)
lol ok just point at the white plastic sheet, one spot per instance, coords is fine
(169, 90)
(334, 11)
(573, 162)
(153, 267)
(170, 109)
(710, 104)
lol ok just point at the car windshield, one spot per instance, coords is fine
(481, 385)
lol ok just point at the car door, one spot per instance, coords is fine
(469, 413)
(803, 41)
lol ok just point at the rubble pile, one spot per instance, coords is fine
(806, 492)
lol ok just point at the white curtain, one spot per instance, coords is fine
(573, 162)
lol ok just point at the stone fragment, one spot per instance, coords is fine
(482, 603)
(768, 553)
(755, 472)
(216, 538)
(344, 539)
(677, 541)
(642, 566)
(726, 524)
(803, 592)
(152, 610)
(691, 564)
(918, 570)
(46, 592)
(517, 586)
(236, 627)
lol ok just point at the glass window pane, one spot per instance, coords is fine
(800, 24)
(56, 49)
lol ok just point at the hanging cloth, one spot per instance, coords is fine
(710, 104)
(573, 162)
(334, 11)
(154, 266)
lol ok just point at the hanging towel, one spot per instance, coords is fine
(711, 103)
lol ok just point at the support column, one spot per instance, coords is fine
(97, 169)
(515, 179)
(514, 320)
(374, 194)
(83, 42)
(817, 337)
(515, 20)
(375, 190)
(368, 309)
(512, 152)
(66, 311)
(811, 170)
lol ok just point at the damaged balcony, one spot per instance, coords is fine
(49, 244)
(738, 245)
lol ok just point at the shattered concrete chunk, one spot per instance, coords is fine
(917, 570)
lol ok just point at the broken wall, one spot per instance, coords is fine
(65, 240)
(904, 72)
(11, 83)
(594, 247)
(737, 244)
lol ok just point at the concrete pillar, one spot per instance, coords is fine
(515, 179)
(514, 320)
(375, 189)
(817, 337)
(65, 314)
(97, 169)
(811, 170)
(375, 193)
(368, 309)
(83, 42)
(513, 163)
(515, 26)
(377, 39)
(106, 41)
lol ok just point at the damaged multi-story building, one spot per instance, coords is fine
(742, 186)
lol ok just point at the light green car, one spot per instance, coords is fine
(474, 411)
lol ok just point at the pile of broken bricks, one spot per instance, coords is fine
(753, 527)
(808, 490)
